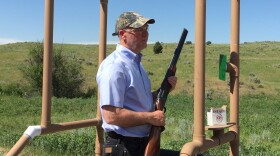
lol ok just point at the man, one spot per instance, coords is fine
(126, 100)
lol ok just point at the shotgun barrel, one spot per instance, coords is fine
(153, 146)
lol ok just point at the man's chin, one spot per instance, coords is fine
(145, 44)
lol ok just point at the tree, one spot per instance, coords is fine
(188, 42)
(157, 48)
(67, 75)
(208, 42)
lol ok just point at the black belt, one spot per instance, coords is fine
(115, 135)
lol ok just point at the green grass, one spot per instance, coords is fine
(259, 125)
(19, 113)
(259, 99)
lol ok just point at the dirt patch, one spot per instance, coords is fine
(3, 151)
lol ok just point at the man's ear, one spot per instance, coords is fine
(121, 32)
(122, 35)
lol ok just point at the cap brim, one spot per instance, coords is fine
(149, 21)
(115, 34)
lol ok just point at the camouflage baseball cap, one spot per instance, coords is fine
(131, 19)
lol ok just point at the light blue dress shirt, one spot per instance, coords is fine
(123, 83)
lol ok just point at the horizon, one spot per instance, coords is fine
(149, 43)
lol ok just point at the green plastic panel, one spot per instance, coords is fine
(222, 67)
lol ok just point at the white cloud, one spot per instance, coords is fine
(8, 40)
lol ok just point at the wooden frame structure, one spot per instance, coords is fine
(199, 143)
(47, 126)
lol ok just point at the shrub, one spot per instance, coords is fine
(188, 42)
(208, 42)
(67, 75)
(33, 68)
(157, 48)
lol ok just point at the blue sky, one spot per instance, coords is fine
(77, 21)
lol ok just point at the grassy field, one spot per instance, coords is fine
(259, 99)
(259, 65)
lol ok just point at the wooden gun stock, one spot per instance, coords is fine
(153, 146)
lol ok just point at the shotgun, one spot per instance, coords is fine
(153, 146)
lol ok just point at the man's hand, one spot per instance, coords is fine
(157, 118)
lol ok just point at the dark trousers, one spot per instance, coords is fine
(124, 147)
(116, 145)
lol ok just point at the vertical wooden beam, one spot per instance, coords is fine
(102, 54)
(234, 80)
(199, 70)
(47, 64)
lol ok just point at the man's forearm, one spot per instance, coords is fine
(127, 118)
(124, 117)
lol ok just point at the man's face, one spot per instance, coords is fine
(135, 39)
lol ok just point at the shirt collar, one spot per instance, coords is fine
(128, 53)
